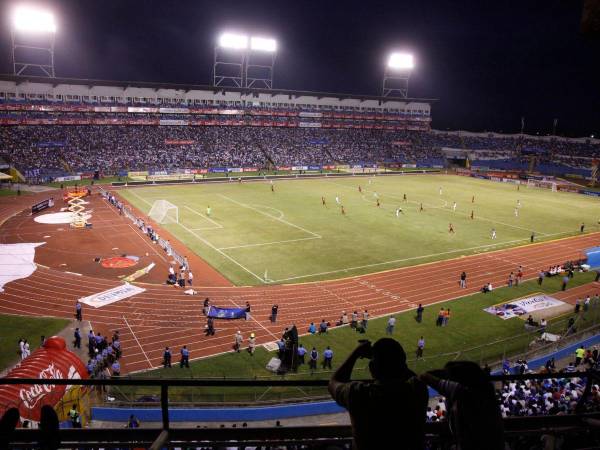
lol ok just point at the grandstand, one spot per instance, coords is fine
(77, 126)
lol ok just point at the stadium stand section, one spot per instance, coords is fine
(52, 130)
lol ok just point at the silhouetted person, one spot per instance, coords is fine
(389, 411)
(473, 413)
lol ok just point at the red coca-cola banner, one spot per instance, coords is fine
(52, 361)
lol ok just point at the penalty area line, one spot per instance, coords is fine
(269, 243)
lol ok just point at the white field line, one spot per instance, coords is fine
(201, 239)
(216, 224)
(443, 208)
(138, 342)
(432, 255)
(269, 243)
(270, 216)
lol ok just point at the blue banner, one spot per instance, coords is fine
(226, 313)
(592, 193)
(314, 167)
(218, 169)
(51, 144)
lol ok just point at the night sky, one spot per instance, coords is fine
(488, 62)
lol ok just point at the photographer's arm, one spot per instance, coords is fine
(344, 372)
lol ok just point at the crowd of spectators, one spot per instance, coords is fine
(114, 148)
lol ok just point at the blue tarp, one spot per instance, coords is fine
(226, 313)
(593, 256)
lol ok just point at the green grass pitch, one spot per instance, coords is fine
(255, 236)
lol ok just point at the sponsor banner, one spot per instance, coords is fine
(574, 175)
(592, 193)
(523, 306)
(566, 188)
(141, 173)
(299, 167)
(283, 168)
(437, 166)
(173, 110)
(357, 166)
(250, 169)
(173, 122)
(69, 178)
(51, 144)
(158, 172)
(112, 295)
(409, 166)
(329, 167)
(226, 313)
(309, 124)
(231, 112)
(310, 114)
(314, 167)
(179, 142)
(86, 175)
(137, 109)
(199, 171)
(342, 166)
(218, 169)
(44, 204)
(235, 169)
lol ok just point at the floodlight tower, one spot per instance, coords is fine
(244, 62)
(260, 61)
(230, 55)
(396, 74)
(32, 36)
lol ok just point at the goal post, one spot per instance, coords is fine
(544, 184)
(163, 211)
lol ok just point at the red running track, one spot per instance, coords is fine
(164, 316)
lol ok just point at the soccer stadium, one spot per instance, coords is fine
(254, 259)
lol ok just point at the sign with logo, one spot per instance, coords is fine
(44, 204)
(523, 306)
(112, 295)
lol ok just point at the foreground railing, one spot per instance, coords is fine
(517, 429)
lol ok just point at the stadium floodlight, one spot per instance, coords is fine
(243, 61)
(396, 74)
(233, 41)
(33, 33)
(33, 20)
(401, 61)
(263, 44)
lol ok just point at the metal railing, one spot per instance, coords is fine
(167, 436)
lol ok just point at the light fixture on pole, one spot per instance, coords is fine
(32, 37)
(244, 62)
(396, 74)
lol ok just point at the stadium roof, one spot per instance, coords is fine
(189, 87)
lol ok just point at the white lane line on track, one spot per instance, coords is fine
(257, 322)
(138, 342)
(279, 219)
(207, 243)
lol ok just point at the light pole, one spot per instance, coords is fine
(32, 37)
(244, 62)
(396, 75)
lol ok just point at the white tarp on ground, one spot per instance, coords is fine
(112, 295)
(16, 261)
(59, 217)
(523, 306)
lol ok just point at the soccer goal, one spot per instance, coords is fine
(544, 184)
(163, 211)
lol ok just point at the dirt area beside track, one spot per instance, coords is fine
(81, 250)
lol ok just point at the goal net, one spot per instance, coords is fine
(542, 184)
(163, 211)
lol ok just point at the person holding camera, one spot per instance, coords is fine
(393, 384)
